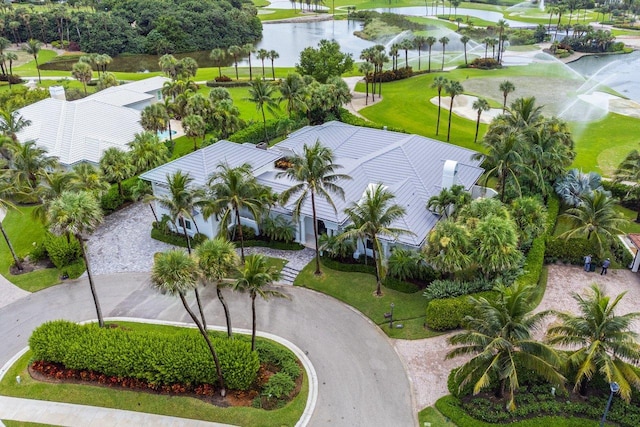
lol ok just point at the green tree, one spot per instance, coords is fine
(107, 80)
(464, 40)
(595, 217)
(116, 166)
(235, 52)
(11, 122)
(169, 66)
(273, 55)
(217, 260)
(176, 273)
(599, 342)
(430, 42)
(248, 49)
(29, 163)
(453, 88)
(439, 83)
(142, 191)
(449, 247)
(444, 40)
(255, 276)
(506, 87)
(32, 47)
(480, 105)
(154, 118)
(147, 152)
(502, 26)
(498, 337)
(418, 43)
(83, 73)
(294, 92)
(373, 217)
(194, 127)
(263, 94)
(6, 189)
(366, 68)
(77, 214)
(530, 216)
(218, 57)
(495, 246)
(406, 45)
(324, 61)
(85, 176)
(233, 190)
(262, 55)
(314, 174)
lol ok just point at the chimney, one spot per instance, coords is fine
(449, 174)
(57, 92)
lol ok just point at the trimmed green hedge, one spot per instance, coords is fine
(553, 209)
(60, 252)
(273, 244)
(572, 251)
(154, 357)
(534, 262)
(441, 289)
(449, 313)
(254, 133)
(176, 239)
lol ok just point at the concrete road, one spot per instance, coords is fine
(362, 381)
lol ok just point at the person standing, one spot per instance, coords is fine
(587, 263)
(605, 266)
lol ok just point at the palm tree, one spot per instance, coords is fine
(595, 216)
(444, 40)
(218, 56)
(293, 91)
(273, 55)
(430, 42)
(372, 216)
(154, 118)
(366, 68)
(116, 166)
(506, 87)
(262, 54)
(83, 73)
(499, 337)
(217, 260)
(248, 49)
(29, 163)
(453, 88)
(406, 45)
(314, 172)
(147, 152)
(262, 94)
(77, 213)
(232, 190)
(439, 83)
(464, 40)
(599, 341)
(87, 177)
(235, 52)
(11, 123)
(418, 43)
(629, 170)
(194, 127)
(5, 189)
(502, 25)
(176, 273)
(255, 276)
(480, 105)
(449, 247)
(169, 65)
(142, 191)
(32, 47)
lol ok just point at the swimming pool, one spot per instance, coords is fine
(165, 134)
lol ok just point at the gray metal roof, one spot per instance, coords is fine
(202, 163)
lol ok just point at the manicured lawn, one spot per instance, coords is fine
(358, 290)
(434, 417)
(271, 14)
(23, 231)
(631, 226)
(11, 423)
(178, 406)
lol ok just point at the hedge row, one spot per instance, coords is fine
(441, 289)
(389, 282)
(449, 313)
(151, 356)
(572, 251)
(533, 263)
(254, 133)
(176, 239)
(273, 244)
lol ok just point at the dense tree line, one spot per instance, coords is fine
(139, 26)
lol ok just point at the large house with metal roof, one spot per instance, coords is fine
(413, 167)
(80, 131)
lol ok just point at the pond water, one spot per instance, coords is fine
(619, 72)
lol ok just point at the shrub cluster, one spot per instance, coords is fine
(13, 79)
(485, 63)
(570, 251)
(282, 383)
(441, 289)
(172, 238)
(62, 252)
(112, 200)
(449, 313)
(274, 244)
(534, 262)
(151, 356)
(391, 75)
(254, 133)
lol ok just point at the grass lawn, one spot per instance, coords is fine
(23, 231)
(177, 406)
(11, 423)
(430, 416)
(358, 289)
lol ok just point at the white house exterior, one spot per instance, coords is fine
(80, 131)
(413, 167)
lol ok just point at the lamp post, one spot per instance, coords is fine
(391, 317)
(615, 387)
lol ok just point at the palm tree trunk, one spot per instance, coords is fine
(13, 253)
(375, 262)
(91, 284)
(450, 114)
(253, 315)
(438, 120)
(264, 122)
(250, 67)
(153, 211)
(240, 236)
(225, 307)
(203, 331)
(170, 136)
(120, 188)
(204, 320)
(318, 272)
(37, 68)
(477, 128)
(236, 69)
(186, 235)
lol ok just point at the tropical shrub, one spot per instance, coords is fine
(575, 185)
(405, 264)
(248, 233)
(75, 269)
(111, 200)
(534, 262)
(570, 251)
(155, 357)
(62, 252)
(279, 228)
(485, 63)
(278, 386)
(441, 289)
(449, 313)
(336, 247)
(162, 234)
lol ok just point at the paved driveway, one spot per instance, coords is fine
(362, 381)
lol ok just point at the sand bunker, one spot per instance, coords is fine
(463, 107)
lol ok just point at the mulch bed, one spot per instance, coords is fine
(29, 266)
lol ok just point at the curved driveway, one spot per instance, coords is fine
(361, 380)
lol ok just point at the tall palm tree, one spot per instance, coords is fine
(5, 190)
(499, 337)
(629, 170)
(29, 163)
(262, 94)
(444, 40)
(262, 54)
(255, 276)
(77, 213)
(273, 55)
(169, 65)
(406, 45)
(430, 42)
(502, 26)
(248, 49)
(32, 47)
(464, 40)
(194, 127)
(366, 68)
(116, 166)
(235, 52)
(147, 152)
(176, 273)
(480, 105)
(232, 190)
(372, 216)
(217, 260)
(314, 172)
(449, 247)
(85, 176)
(438, 84)
(11, 123)
(218, 56)
(418, 43)
(83, 73)
(599, 341)
(506, 87)
(293, 91)
(154, 118)
(453, 88)
(142, 191)
(595, 217)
